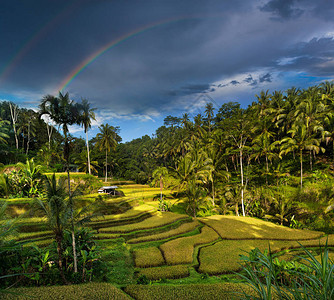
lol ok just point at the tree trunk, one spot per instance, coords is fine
(311, 166)
(242, 184)
(106, 165)
(301, 169)
(213, 193)
(89, 171)
(14, 113)
(28, 140)
(60, 258)
(75, 259)
(267, 169)
(49, 129)
(161, 187)
(66, 156)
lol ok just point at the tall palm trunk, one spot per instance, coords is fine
(301, 169)
(213, 193)
(267, 167)
(14, 114)
(28, 139)
(66, 156)
(106, 165)
(242, 185)
(60, 257)
(89, 171)
(161, 187)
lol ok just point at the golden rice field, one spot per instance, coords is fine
(174, 246)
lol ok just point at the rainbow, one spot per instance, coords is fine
(79, 68)
(35, 38)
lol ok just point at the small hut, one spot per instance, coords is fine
(111, 190)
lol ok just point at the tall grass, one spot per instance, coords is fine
(312, 278)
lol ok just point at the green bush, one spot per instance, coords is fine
(312, 278)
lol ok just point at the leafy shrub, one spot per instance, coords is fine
(142, 280)
(312, 278)
(36, 266)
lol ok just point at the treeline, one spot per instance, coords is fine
(254, 161)
(227, 160)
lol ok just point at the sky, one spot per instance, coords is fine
(137, 61)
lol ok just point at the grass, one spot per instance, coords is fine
(120, 269)
(186, 292)
(226, 253)
(180, 251)
(234, 228)
(164, 272)
(172, 247)
(69, 292)
(148, 257)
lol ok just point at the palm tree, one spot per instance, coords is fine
(64, 112)
(87, 115)
(262, 146)
(106, 140)
(57, 207)
(3, 131)
(209, 115)
(159, 174)
(58, 213)
(299, 141)
(82, 163)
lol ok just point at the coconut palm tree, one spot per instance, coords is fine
(87, 115)
(64, 112)
(300, 141)
(106, 140)
(264, 147)
(3, 131)
(57, 210)
(159, 174)
(82, 163)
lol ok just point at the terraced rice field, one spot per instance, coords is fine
(171, 245)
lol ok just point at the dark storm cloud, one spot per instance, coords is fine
(187, 46)
(283, 9)
(265, 78)
(315, 56)
(234, 82)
